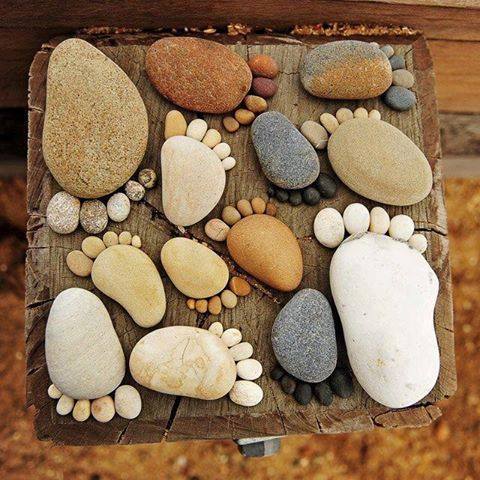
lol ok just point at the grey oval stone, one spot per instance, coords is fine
(397, 62)
(303, 337)
(287, 158)
(400, 98)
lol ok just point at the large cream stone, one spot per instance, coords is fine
(194, 269)
(129, 276)
(185, 361)
(193, 180)
(96, 127)
(84, 357)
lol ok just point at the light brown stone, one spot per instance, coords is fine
(215, 305)
(239, 286)
(79, 263)
(258, 205)
(244, 207)
(175, 124)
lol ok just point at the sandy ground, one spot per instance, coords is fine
(448, 450)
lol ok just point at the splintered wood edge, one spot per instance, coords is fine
(121, 431)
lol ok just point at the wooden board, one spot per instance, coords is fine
(177, 418)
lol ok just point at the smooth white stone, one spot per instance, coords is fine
(356, 218)
(118, 207)
(128, 403)
(65, 405)
(197, 129)
(418, 242)
(329, 228)
(249, 369)
(360, 112)
(231, 337)
(222, 150)
(103, 409)
(54, 392)
(216, 328)
(228, 163)
(246, 393)
(379, 220)
(375, 114)
(81, 410)
(241, 351)
(401, 227)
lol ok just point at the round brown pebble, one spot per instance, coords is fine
(244, 116)
(239, 286)
(201, 306)
(191, 303)
(263, 66)
(147, 177)
(264, 87)
(93, 216)
(230, 124)
(230, 215)
(229, 299)
(244, 207)
(271, 209)
(92, 246)
(217, 230)
(79, 263)
(258, 205)
(255, 103)
(215, 305)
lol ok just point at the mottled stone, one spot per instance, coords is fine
(63, 213)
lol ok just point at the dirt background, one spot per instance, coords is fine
(448, 450)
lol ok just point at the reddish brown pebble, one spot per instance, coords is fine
(244, 116)
(258, 205)
(244, 207)
(271, 209)
(263, 66)
(215, 305)
(201, 306)
(264, 87)
(255, 104)
(239, 286)
(191, 303)
(230, 124)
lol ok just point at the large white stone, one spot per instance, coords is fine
(385, 293)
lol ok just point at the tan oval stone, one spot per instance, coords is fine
(194, 269)
(96, 127)
(175, 124)
(378, 161)
(185, 361)
(267, 249)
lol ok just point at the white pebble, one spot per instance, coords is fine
(360, 112)
(197, 129)
(136, 241)
(401, 227)
(222, 150)
(418, 242)
(118, 207)
(128, 403)
(375, 44)
(103, 409)
(246, 393)
(81, 410)
(63, 213)
(54, 392)
(356, 218)
(125, 238)
(64, 405)
(228, 163)
(241, 351)
(379, 220)
(375, 114)
(216, 328)
(231, 337)
(329, 122)
(329, 228)
(249, 369)
(212, 138)
(343, 114)
(315, 134)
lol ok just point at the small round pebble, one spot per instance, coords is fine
(311, 196)
(125, 238)
(81, 410)
(63, 213)
(277, 373)
(217, 230)
(147, 177)
(263, 66)
(401, 227)
(326, 185)
(239, 286)
(418, 242)
(136, 241)
(110, 239)
(264, 87)
(92, 246)
(379, 221)
(324, 393)
(103, 409)
(258, 205)
(201, 306)
(295, 198)
(249, 369)
(175, 124)
(375, 114)
(244, 207)
(271, 191)
(256, 104)
(197, 129)
(241, 351)
(244, 116)
(230, 124)
(360, 112)
(134, 190)
(229, 299)
(315, 133)
(343, 114)
(329, 228)
(403, 78)
(329, 122)
(79, 263)
(215, 305)
(64, 405)
(228, 163)
(54, 392)
(356, 218)
(399, 98)
(246, 393)
(397, 62)
(222, 150)
(230, 215)
(303, 393)
(191, 304)
(93, 216)
(118, 207)
(281, 195)
(387, 50)
(212, 138)
(231, 337)
(271, 209)
(288, 384)
(341, 383)
(216, 328)
(128, 403)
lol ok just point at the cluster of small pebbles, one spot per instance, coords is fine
(330, 226)
(245, 391)
(264, 69)
(339, 383)
(126, 403)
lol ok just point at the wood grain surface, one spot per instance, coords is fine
(176, 418)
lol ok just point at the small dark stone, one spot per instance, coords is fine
(295, 198)
(277, 373)
(271, 191)
(303, 393)
(288, 384)
(326, 185)
(341, 383)
(263, 448)
(282, 195)
(311, 196)
(324, 393)
(399, 98)
(397, 62)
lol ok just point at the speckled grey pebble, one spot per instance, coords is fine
(303, 337)
(399, 98)
(287, 158)
(387, 50)
(397, 62)
(93, 216)
(134, 190)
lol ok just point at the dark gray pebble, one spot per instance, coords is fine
(303, 393)
(288, 384)
(341, 383)
(397, 62)
(326, 185)
(295, 198)
(271, 191)
(324, 393)
(311, 196)
(281, 195)
(399, 98)
(263, 448)
(277, 373)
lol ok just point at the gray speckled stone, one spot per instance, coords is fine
(397, 62)
(399, 98)
(287, 158)
(303, 337)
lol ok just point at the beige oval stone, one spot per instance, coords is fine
(267, 249)
(79, 263)
(96, 127)
(379, 162)
(175, 124)
(128, 276)
(185, 361)
(194, 269)
(92, 246)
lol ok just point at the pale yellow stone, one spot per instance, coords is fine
(360, 112)
(246, 393)
(375, 114)
(136, 241)
(231, 337)
(212, 138)
(103, 409)
(175, 124)
(54, 392)
(329, 122)
(79, 263)
(229, 299)
(125, 238)
(81, 410)
(216, 328)
(343, 114)
(92, 246)
(128, 403)
(110, 239)
(64, 405)
(241, 351)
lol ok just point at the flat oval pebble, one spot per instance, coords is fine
(403, 78)
(96, 127)
(103, 409)
(241, 351)
(64, 405)
(379, 162)
(193, 180)
(249, 369)
(418, 242)
(264, 87)
(346, 69)
(287, 158)
(303, 337)
(246, 393)
(128, 403)
(212, 138)
(217, 230)
(239, 286)
(54, 392)
(135, 191)
(197, 129)
(185, 361)
(401, 227)
(84, 357)
(216, 328)
(263, 66)
(194, 269)
(175, 124)
(118, 207)
(93, 216)
(255, 103)
(81, 410)
(379, 221)
(315, 134)
(329, 228)
(399, 98)
(92, 246)
(128, 276)
(79, 263)
(231, 337)
(228, 163)
(267, 249)
(356, 218)
(229, 299)
(198, 74)
(397, 62)
(329, 121)
(63, 213)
